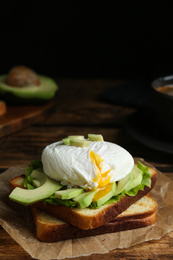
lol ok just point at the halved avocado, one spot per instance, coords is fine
(29, 94)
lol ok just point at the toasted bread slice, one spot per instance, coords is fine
(17, 182)
(51, 229)
(89, 218)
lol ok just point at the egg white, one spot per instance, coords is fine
(72, 165)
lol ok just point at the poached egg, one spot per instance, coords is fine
(97, 166)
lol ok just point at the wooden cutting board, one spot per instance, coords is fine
(18, 117)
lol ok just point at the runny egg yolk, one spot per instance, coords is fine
(102, 178)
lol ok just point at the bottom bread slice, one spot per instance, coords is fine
(51, 229)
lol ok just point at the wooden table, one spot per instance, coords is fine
(79, 110)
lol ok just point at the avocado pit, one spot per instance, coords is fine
(22, 76)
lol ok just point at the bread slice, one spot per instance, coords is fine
(51, 229)
(17, 182)
(89, 218)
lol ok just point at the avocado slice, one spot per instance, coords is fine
(79, 143)
(129, 182)
(36, 183)
(124, 183)
(85, 199)
(67, 139)
(95, 137)
(80, 137)
(27, 197)
(29, 94)
(68, 193)
(137, 178)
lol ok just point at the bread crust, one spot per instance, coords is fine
(48, 234)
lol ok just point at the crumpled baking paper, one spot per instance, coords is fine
(18, 223)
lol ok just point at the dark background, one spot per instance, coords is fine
(105, 39)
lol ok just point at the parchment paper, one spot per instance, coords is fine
(18, 223)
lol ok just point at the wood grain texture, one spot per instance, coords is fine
(79, 109)
(19, 117)
(162, 249)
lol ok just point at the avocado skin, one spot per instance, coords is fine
(42, 96)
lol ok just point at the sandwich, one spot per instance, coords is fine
(83, 187)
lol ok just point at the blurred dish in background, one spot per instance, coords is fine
(143, 127)
(162, 102)
(168, 90)
(132, 94)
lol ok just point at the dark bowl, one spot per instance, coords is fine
(162, 102)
